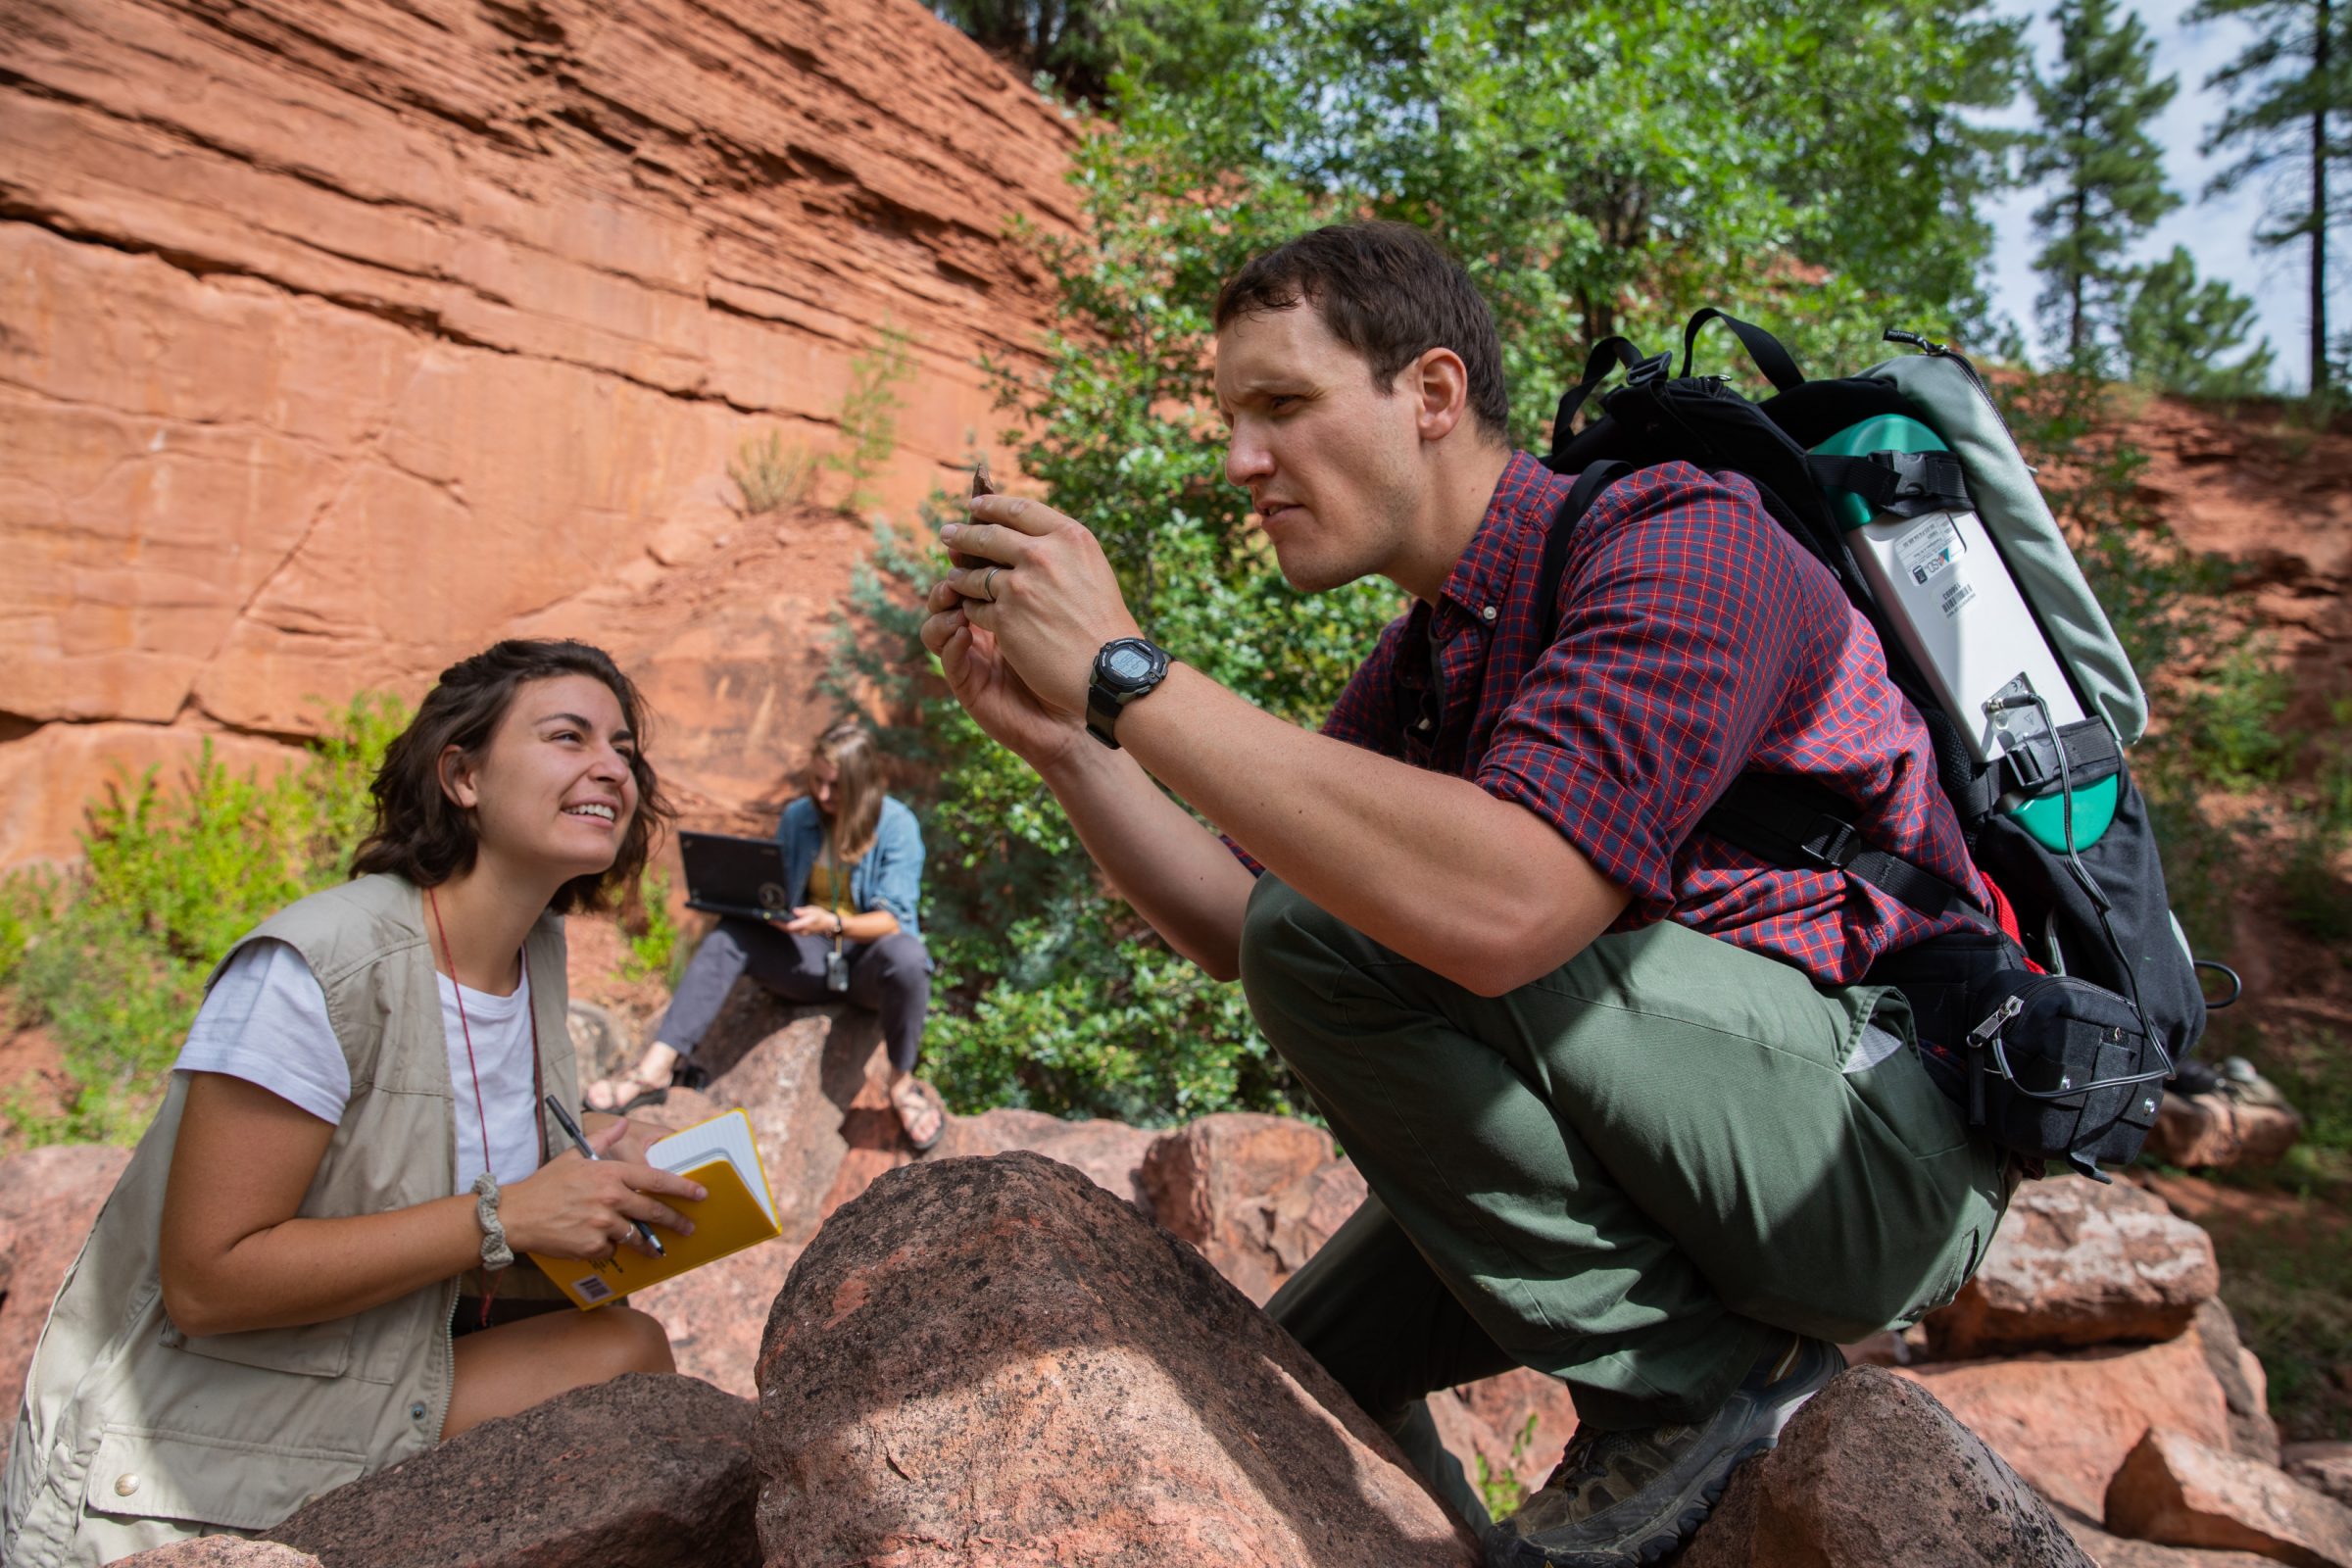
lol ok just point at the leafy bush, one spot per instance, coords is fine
(652, 931)
(111, 958)
(869, 413)
(2238, 722)
(770, 476)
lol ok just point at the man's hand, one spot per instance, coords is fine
(997, 700)
(1044, 592)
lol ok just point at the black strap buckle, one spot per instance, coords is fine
(1834, 843)
(1657, 368)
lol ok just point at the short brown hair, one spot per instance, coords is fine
(421, 834)
(1388, 291)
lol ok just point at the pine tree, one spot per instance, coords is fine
(2291, 114)
(2095, 142)
(2180, 333)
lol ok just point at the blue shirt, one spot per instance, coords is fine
(889, 876)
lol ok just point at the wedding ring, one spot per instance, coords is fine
(988, 580)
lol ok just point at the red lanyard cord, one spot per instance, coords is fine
(465, 1029)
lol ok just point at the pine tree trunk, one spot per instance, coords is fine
(2318, 205)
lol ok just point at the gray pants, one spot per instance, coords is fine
(892, 977)
(1638, 1173)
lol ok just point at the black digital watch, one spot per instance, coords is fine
(1124, 671)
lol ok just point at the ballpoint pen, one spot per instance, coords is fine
(579, 1139)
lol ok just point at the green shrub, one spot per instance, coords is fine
(653, 932)
(771, 476)
(869, 413)
(2236, 724)
(112, 956)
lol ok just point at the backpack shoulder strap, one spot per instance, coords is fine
(1586, 489)
(1777, 818)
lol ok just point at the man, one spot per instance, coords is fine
(1626, 1117)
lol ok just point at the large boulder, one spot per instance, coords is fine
(2064, 1421)
(1111, 1154)
(2245, 1386)
(1874, 1472)
(798, 1084)
(2177, 1490)
(995, 1360)
(641, 1472)
(49, 1197)
(2080, 1262)
(2201, 1131)
(220, 1551)
(2323, 1467)
(1243, 1188)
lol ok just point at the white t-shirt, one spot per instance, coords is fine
(265, 1022)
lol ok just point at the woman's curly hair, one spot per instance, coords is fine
(421, 834)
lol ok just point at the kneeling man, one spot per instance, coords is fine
(1626, 1114)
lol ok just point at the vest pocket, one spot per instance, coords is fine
(150, 1473)
(313, 1349)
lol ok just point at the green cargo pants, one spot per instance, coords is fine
(1635, 1174)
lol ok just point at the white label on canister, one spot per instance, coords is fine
(1929, 547)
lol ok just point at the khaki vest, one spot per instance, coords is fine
(132, 1434)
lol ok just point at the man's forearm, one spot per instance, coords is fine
(1475, 888)
(1180, 876)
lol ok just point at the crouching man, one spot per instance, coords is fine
(1627, 1116)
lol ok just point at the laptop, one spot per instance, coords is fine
(730, 875)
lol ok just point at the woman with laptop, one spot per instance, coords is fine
(854, 869)
(308, 1271)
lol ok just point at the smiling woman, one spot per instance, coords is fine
(309, 1270)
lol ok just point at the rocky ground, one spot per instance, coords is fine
(1041, 1344)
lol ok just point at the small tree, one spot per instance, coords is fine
(2181, 331)
(2290, 115)
(2095, 142)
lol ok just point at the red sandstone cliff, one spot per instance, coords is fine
(339, 336)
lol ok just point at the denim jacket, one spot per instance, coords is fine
(889, 877)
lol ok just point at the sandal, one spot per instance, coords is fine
(642, 1092)
(918, 1105)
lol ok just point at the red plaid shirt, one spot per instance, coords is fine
(1696, 640)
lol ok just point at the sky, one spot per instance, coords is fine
(2218, 233)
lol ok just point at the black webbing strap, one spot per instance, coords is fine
(1607, 354)
(1792, 823)
(1904, 483)
(1777, 818)
(1776, 362)
(2092, 755)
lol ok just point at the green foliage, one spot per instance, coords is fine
(2237, 722)
(2180, 333)
(653, 932)
(770, 476)
(1500, 1488)
(2094, 143)
(869, 413)
(111, 958)
(2291, 121)
(1078, 46)
(2314, 895)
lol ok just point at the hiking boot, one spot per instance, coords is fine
(1620, 1499)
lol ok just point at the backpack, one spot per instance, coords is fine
(2057, 1047)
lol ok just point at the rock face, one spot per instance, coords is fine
(1874, 1472)
(1245, 1190)
(2065, 1421)
(641, 1472)
(2175, 1489)
(2077, 1262)
(995, 1360)
(49, 1197)
(2323, 1467)
(340, 339)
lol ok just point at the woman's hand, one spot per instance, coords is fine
(808, 920)
(573, 1207)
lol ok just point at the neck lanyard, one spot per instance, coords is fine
(835, 876)
(530, 1012)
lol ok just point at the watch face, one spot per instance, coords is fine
(1129, 664)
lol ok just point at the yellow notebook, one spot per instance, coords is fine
(740, 1213)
